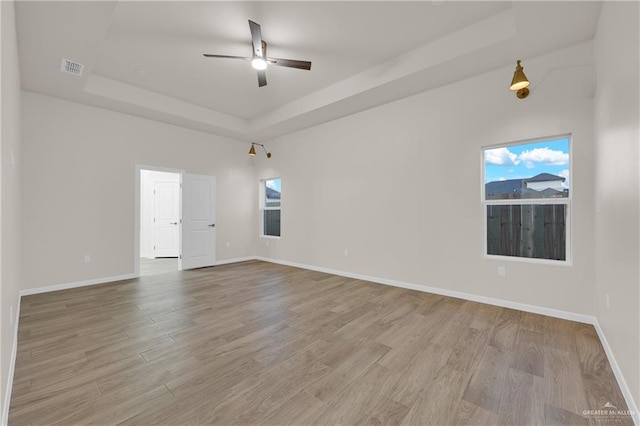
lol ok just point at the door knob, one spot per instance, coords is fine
(173, 223)
(212, 225)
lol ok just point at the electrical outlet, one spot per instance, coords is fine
(228, 244)
(502, 271)
(266, 242)
(346, 252)
(11, 315)
(87, 258)
(607, 301)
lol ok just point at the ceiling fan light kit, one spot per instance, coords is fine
(259, 59)
(519, 83)
(259, 64)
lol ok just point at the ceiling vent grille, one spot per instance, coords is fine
(70, 67)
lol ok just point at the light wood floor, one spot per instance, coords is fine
(160, 265)
(257, 343)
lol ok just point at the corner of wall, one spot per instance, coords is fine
(10, 206)
(617, 189)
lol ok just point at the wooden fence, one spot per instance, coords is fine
(528, 230)
(271, 223)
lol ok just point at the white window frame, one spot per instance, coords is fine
(263, 207)
(530, 201)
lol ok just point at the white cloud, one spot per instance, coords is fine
(530, 165)
(501, 157)
(544, 155)
(565, 174)
(272, 184)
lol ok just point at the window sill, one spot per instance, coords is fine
(547, 262)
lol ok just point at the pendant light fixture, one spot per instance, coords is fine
(519, 82)
(252, 150)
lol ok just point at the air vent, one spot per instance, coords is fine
(71, 67)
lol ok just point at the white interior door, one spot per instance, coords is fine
(166, 219)
(198, 221)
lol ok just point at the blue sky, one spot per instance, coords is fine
(527, 160)
(274, 184)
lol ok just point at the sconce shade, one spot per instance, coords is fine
(252, 150)
(519, 79)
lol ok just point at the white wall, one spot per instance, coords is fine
(541, 186)
(10, 209)
(365, 183)
(78, 186)
(148, 178)
(617, 186)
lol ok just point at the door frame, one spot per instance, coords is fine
(136, 233)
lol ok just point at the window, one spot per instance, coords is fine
(527, 199)
(271, 190)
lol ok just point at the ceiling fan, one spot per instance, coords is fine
(259, 60)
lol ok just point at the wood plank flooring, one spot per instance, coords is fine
(160, 265)
(258, 343)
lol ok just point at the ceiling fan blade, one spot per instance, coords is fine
(256, 38)
(291, 63)
(262, 78)
(209, 55)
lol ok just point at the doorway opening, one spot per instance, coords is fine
(174, 221)
(159, 226)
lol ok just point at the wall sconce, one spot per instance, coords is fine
(252, 150)
(519, 82)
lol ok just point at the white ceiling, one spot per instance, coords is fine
(145, 58)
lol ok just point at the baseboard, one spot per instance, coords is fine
(555, 313)
(626, 392)
(104, 280)
(76, 284)
(571, 316)
(235, 260)
(12, 366)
